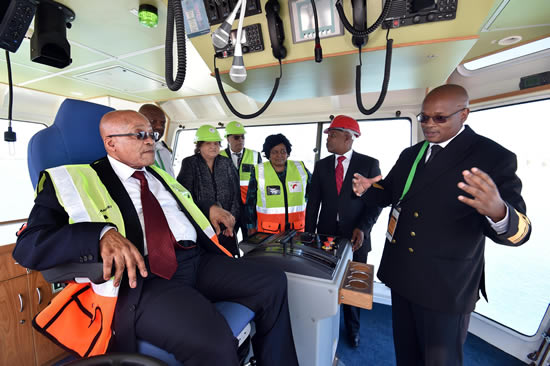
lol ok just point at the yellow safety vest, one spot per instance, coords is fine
(270, 202)
(80, 317)
(249, 159)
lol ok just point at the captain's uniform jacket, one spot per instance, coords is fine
(436, 257)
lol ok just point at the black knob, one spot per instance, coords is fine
(245, 49)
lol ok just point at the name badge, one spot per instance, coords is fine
(246, 168)
(273, 190)
(394, 217)
(295, 186)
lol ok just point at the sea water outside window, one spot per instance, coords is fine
(517, 279)
(16, 192)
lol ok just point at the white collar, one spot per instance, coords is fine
(445, 143)
(347, 155)
(122, 170)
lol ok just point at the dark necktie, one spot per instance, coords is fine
(160, 240)
(339, 173)
(433, 152)
(239, 158)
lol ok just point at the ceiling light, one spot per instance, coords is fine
(509, 54)
(509, 40)
(148, 15)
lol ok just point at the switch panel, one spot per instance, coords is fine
(218, 10)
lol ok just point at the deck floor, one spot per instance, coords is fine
(376, 347)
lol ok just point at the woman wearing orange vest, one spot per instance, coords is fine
(277, 191)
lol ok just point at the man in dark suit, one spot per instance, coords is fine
(342, 212)
(176, 312)
(464, 188)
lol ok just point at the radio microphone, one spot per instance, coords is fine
(237, 73)
(220, 37)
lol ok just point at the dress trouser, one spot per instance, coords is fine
(425, 337)
(352, 313)
(177, 315)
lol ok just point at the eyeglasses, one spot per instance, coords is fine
(141, 135)
(238, 137)
(423, 118)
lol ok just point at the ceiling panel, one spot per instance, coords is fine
(412, 67)
(533, 12)
(488, 41)
(80, 56)
(108, 25)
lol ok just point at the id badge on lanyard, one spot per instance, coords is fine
(392, 224)
(396, 210)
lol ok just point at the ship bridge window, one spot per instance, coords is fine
(517, 278)
(301, 136)
(16, 192)
(383, 140)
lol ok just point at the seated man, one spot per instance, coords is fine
(169, 265)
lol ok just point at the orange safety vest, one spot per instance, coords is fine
(271, 204)
(80, 317)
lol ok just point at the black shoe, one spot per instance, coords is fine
(354, 341)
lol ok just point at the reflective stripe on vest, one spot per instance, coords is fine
(184, 196)
(270, 208)
(80, 317)
(250, 157)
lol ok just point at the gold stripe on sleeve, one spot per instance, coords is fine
(523, 228)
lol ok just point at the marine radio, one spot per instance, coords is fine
(252, 41)
(410, 12)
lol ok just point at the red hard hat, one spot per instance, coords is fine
(342, 122)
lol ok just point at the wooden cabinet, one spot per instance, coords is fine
(22, 294)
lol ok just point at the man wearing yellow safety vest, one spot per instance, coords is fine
(163, 154)
(243, 159)
(277, 191)
(135, 218)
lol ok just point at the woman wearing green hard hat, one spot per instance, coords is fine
(212, 177)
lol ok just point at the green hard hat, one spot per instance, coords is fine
(207, 133)
(234, 128)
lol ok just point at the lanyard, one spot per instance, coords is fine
(158, 162)
(413, 170)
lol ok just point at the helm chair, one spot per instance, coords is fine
(74, 138)
(207, 133)
(234, 128)
(344, 123)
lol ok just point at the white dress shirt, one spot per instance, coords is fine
(235, 157)
(499, 227)
(179, 223)
(163, 158)
(345, 163)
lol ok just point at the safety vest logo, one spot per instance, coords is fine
(295, 186)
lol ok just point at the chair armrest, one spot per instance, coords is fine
(69, 271)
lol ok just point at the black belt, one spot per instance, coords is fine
(185, 244)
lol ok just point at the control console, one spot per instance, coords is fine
(307, 254)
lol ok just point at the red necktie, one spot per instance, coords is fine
(160, 240)
(339, 173)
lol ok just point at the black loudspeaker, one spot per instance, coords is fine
(15, 18)
(276, 30)
(49, 45)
